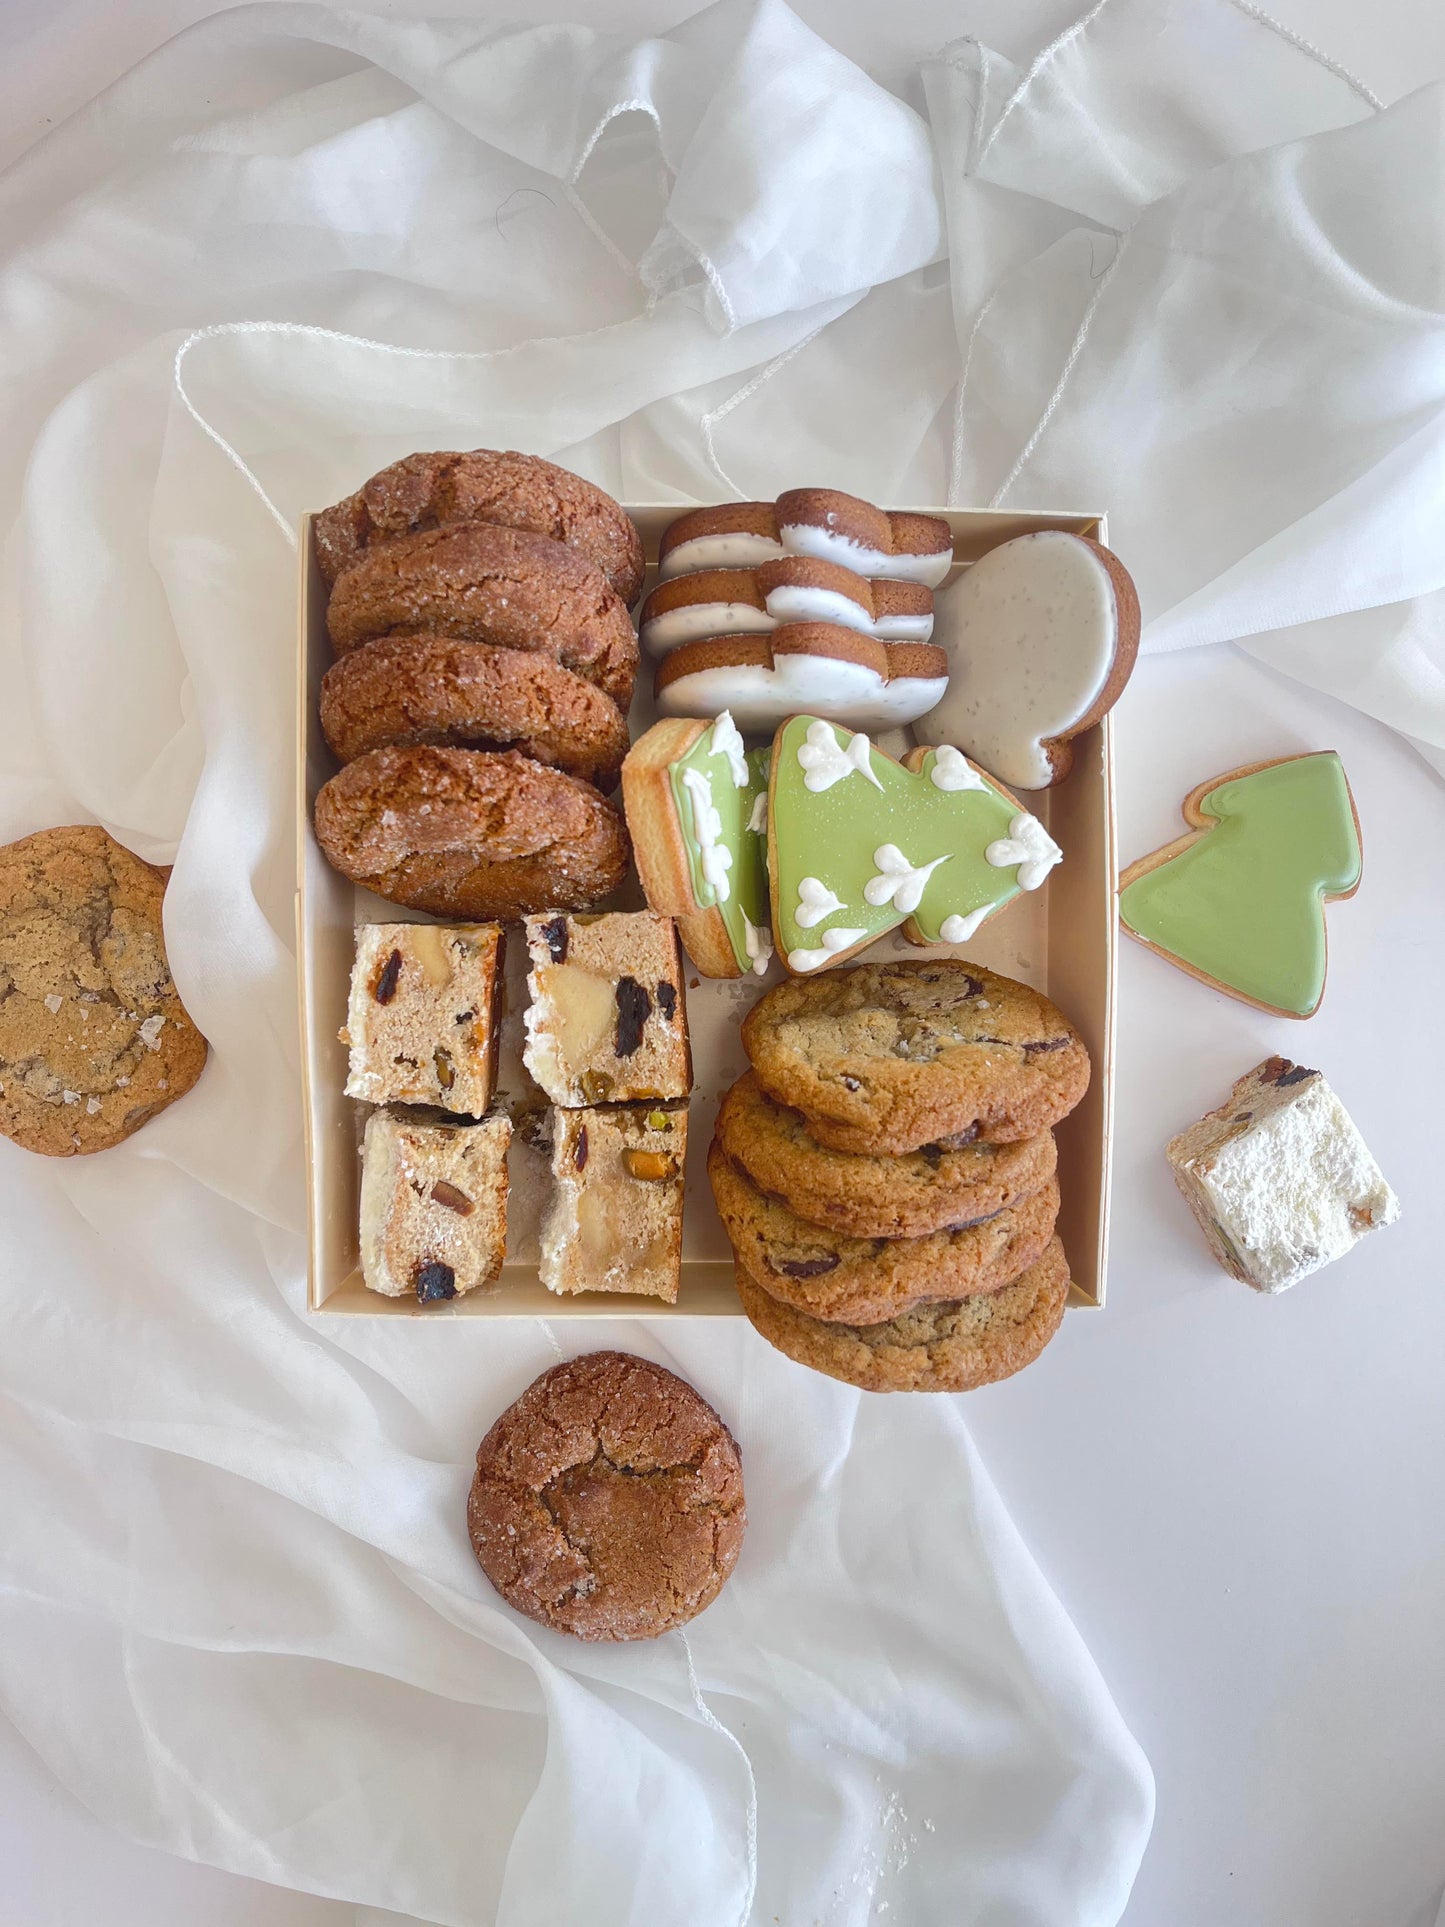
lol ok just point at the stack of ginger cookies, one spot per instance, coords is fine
(485, 661)
(885, 1173)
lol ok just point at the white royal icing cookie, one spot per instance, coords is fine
(1041, 634)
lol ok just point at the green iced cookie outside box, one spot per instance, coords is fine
(1241, 901)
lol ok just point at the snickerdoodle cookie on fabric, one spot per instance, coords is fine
(608, 1500)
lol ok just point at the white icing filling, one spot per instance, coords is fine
(1029, 845)
(952, 771)
(815, 901)
(898, 881)
(727, 742)
(956, 929)
(833, 941)
(828, 545)
(1031, 631)
(714, 857)
(760, 698)
(758, 821)
(825, 761)
(802, 602)
(736, 551)
(697, 620)
(1296, 1189)
(759, 946)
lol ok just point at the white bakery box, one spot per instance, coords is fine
(1060, 938)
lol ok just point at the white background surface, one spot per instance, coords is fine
(1240, 1501)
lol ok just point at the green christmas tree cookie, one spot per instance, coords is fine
(1239, 902)
(859, 843)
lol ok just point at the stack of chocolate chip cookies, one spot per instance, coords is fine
(484, 665)
(886, 1173)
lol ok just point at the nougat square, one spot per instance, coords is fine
(422, 1016)
(615, 1218)
(433, 1206)
(608, 1018)
(1279, 1178)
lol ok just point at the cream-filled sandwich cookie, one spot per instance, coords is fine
(1041, 635)
(696, 801)
(859, 844)
(815, 666)
(818, 522)
(794, 588)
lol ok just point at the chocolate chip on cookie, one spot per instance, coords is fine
(483, 485)
(470, 695)
(482, 584)
(876, 1197)
(461, 833)
(936, 1347)
(94, 1039)
(883, 1058)
(865, 1280)
(608, 1501)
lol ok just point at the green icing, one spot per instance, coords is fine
(1244, 902)
(746, 901)
(833, 835)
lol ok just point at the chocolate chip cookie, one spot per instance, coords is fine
(470, 695)
(468, 835)
(608, 1501)
(894, 1197)
(94, 1039)
(937, 1347)
(483, 485)
(482, 584)
(866, 1280)
(883, 1058)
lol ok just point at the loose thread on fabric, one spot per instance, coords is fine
(709, 1718)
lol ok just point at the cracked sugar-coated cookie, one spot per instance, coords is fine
(866, 1280)
(876, 1197)
(884, 1058)
(483, 584)
(938, 1347)
(94, 1039)
(464, 834)
(470, 695)
(608, 1501)
(483, 485)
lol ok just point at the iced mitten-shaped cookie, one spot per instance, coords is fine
(1279, 1178)
(1041, 635)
